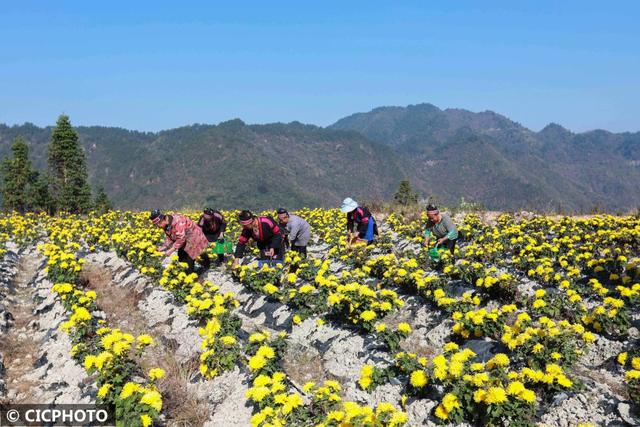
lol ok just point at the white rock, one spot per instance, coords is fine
(419, 412)
(592, 405)
(600, 351)
(228, 402)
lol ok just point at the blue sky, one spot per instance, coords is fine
(153, 65)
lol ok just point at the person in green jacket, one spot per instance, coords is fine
(440, 226)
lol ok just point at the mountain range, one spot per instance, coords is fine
(446, 154)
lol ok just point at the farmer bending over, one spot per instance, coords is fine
(360, 218)
(442, 227)
(265, 232)
(182, 235)
(297, 231)
(213, 226)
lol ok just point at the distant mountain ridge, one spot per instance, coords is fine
(492, 159)
(448, 154)
(231, 165)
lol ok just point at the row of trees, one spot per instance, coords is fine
(63, 187)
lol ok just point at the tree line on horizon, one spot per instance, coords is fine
(64, 185)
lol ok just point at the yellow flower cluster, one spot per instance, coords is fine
(449, 404)
(359, 304)
(205, 302)
(277, 406)
(631, 361)
(62, 264)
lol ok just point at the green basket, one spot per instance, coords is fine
(434, 253)
(221, 248)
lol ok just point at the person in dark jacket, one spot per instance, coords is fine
(265, 232)
(297, 231)
(213, 226)
(440, 226)
(361, 226)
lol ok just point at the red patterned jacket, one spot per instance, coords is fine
(184, 233)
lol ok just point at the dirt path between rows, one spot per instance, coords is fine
(18, 345)
(120, 305)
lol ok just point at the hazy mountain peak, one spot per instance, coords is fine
(233, 123)
(555, 129)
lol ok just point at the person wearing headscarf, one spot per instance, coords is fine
(213, 226)
(265, 232)
(441, 227)
(181, 235)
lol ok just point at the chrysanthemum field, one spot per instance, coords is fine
(533, 321)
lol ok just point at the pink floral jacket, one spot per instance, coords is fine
(184, 233)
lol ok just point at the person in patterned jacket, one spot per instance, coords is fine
(182, 235)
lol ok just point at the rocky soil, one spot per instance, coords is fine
(36, 366)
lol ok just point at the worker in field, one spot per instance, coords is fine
(265, 232)
(183, 236)
(361, 226)
(296, 230)
(213, 225)
(441, 227)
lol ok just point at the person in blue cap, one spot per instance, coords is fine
(361, 226)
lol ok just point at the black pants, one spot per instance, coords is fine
(183, 256)
(451, 244)
(213, 237)
(302, 250)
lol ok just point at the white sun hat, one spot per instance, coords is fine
(348, 205)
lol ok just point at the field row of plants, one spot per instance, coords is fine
(541, 291)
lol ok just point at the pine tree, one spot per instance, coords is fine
(40, 196)
(67, 164)
(102, 203)
(405, 195)
(18, 175)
